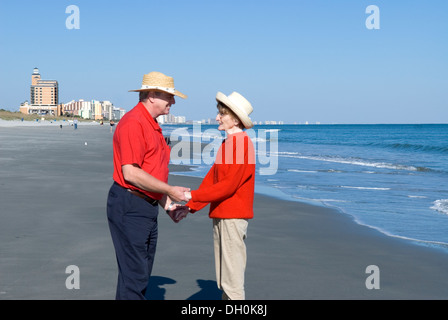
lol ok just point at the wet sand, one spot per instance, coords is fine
(53, 191)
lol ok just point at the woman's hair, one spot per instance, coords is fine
(222, 108)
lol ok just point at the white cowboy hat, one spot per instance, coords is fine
(158, 81)
(239, 105)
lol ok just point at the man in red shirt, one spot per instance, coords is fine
(141, 156)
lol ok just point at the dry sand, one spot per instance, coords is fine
(53, 189)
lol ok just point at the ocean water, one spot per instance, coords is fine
(393, 178)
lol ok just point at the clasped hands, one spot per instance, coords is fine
(178, 211)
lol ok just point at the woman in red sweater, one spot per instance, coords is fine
(229, 188)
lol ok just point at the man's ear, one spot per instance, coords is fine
(151, 96)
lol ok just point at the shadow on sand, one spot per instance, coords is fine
(208, 289)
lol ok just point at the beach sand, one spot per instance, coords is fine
(53, 191)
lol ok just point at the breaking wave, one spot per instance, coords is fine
(441, 206)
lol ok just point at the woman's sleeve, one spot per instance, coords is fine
(195, 205)
(224, 188)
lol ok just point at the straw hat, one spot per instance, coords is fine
(239, 105)
(158, 81)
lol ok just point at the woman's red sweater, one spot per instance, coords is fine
(229, 185)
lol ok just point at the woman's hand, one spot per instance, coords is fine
(178, 212)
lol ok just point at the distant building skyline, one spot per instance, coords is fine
(93, 109)
(170, 118)
(44, 100)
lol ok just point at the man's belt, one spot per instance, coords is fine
(150, 200)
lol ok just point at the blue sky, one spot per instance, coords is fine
(296, 61)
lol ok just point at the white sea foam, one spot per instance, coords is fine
(364, 188)
(257, 139)
(301, 171)
(320, 202)
(441, 206)
(352, 161)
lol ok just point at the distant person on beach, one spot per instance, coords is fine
(141, 158)
(229, 188)
(112, 123)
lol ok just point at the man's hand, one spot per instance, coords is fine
(136, 176)
(177, 193)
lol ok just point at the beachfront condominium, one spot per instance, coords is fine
(43, 96)
(43, 92)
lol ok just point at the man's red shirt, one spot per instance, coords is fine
(138, 139)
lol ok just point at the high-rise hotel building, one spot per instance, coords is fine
(44, 96)
(43, 92)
